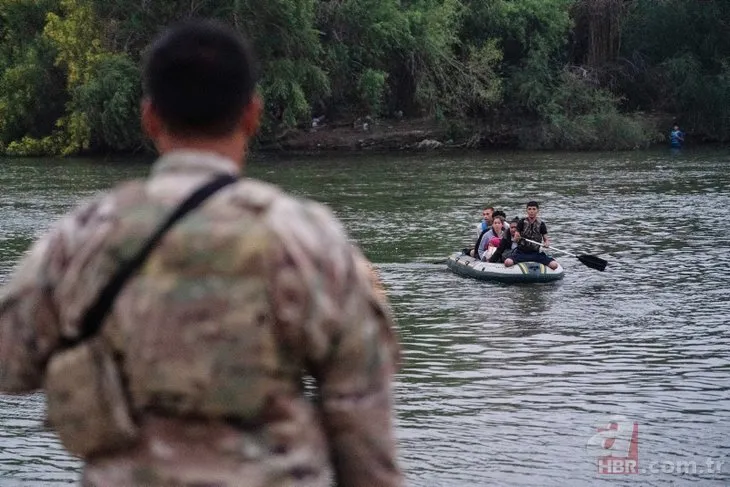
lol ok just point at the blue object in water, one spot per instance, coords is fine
(676, 138)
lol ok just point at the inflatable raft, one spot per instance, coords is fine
(524, 272)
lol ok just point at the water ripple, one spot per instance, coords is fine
(504, 385)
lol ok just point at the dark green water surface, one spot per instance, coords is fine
(500, 385)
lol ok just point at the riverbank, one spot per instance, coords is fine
(363, 134)
(605, 132)
(611, 132)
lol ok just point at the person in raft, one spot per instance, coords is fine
(494, 231)
(507, 245)
(492, 247)
(482, 227)
(531, 228)
(676, 137)
(486, 222)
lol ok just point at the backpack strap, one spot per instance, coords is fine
(95, 316)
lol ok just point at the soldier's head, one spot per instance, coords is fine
(199, 81)
(532, 208)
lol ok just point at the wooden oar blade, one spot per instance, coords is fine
(593, 262)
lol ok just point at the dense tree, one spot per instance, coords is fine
(678, 61)
(562, 73)
(32, 88)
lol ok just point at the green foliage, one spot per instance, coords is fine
(576, 95)
(20, 23)
(29, 146)
(578, 114)
(285, 86)
(110, 102)
(679, 54)
(65, 49)
(702, 98)
(31, 94)
(524, 28)
(450, 77)
(371, 86)
(288, 45)
(75, 33)
(533, 35)
(359, 35)
(671, 28)
(70, 82)
(422, 64)
(606, 130)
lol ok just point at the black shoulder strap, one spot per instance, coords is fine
(97, 313)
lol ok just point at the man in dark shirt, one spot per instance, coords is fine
(676, 137)
(531, 228)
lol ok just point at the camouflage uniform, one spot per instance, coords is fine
(242, 299)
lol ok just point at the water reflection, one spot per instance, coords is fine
(504, 385)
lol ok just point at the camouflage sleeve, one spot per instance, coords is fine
(28, 317)
(355, 368)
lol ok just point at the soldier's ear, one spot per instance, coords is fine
(151, 123)
(251, 117)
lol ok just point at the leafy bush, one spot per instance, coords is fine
(29, 146)
(678, 53)
(567, 71)
(371, 86)
(287, 86)
(110, 102)
(578, 114)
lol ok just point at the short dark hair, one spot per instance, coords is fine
(199, 75)
(500, 213)
(533, 203)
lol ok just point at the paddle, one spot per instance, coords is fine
(588, 260)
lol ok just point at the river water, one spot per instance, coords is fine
(500, 384)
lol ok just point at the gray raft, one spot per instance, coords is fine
(524, 272)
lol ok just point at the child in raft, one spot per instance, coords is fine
(492, 247)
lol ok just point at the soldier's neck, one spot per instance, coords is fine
(231, 147)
